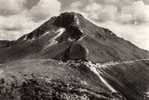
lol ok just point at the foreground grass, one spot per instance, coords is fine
(36, 87)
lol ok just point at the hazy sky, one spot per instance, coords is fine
(127, 18)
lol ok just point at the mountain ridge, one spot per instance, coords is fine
(102, 44)
(68, 57)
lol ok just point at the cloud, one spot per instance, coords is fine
(146, 1)
(126, 11)
(140, 11)
(17, 19)
(137, 34)
(76, 5)
(95, 10)
(137, 13)
(45, 9)
(101, 12)
(30, 3)
(14, 26)
(11, 7)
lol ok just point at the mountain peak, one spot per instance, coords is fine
(79, 56)
(72, 36)
(71, 23)
(68, 19)
(75, 25)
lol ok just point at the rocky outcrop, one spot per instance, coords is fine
(77, 52)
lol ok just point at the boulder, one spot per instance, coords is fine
(77, 52)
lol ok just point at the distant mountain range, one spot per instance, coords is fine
(70, 48)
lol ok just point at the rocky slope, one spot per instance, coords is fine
(55, 38)
(52, 80)
(5, 43)
(69, 58)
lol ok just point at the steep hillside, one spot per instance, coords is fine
(129, 78)
(55, 38)
(31, 79)
(52, 80)
(70, 58)
(5, 43)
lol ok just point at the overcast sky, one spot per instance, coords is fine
(127, 18)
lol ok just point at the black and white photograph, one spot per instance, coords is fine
(74, 49)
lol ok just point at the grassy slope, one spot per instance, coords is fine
(131, 79)
(46, 79)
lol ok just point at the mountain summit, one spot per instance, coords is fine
(70, 36)
(70, 58)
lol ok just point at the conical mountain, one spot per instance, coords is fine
(70, 58)
(54, 38)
